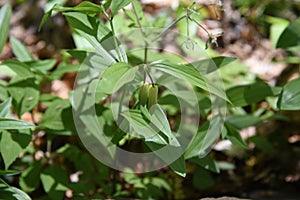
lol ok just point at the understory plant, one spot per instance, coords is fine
(136, 106)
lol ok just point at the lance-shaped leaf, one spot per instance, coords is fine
(5, 14)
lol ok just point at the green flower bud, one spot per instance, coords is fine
(153, 94)
(144, 94)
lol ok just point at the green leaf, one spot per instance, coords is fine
(30, 177)
(92, 31)
(57, 116)
(5, 14)
(142, 127)
(262, 143)
(159, 119)
(12, 144)
(190, 74)
(289, 99)
(234, 136)
(62, 69)
(243, 121)
(178, 166)
(115, 77)
(290, 36)
(6, 124)
(131, 14)
(206, 136)
(84, 7)
(46, 16)
(171, 155)
(11, 193)
(249, 94)
(8, 172)
(5, 108)
(207, 163)
(19, 68)
(41, 66)
(278, 25)
(20, 51)
(207, 66)
(25, 95)
(202, 179)
(117, 5)
(55, 182)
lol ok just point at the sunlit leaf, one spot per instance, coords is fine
(12, 144)
(115, 77)
(191, 75)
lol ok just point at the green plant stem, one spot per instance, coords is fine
(110, 19)
(115, 38)
(143, 33)
(169, 26)
(202, 27)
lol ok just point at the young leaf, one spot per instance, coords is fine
(289, 99)
(20, 51)
(117, 5)
(12, 144)
(5, 14)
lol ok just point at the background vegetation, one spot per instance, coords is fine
(254, 45)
